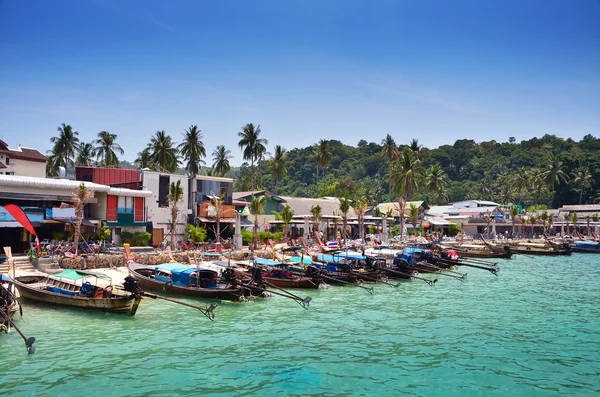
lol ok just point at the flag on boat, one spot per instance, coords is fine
(20, 216)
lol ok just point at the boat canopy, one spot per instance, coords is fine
(306, 260)
(76, 275)
(586, 244)
(268, 262)
(412, 250)
(5, 279)
(171, 266)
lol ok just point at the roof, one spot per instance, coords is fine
(250, 193)
(23, 153)
(485, 203)
(329, 206)
(437, 209)
(476, 210)
(584, 207)
(239, 202)
(213, 178)
(385, 207)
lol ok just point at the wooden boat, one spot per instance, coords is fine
(77, 289)
(540, 249)
(185, 280)
(482, 251)
(280, 275)
(8, 302)
(586, 246)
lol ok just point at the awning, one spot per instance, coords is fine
(214, 220)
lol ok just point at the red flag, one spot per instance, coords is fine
(20, 217)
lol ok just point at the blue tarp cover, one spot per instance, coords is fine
(5, 278)
(182, 276)
(586, 244)
(412, 250)
(171, 266)
(267, 262)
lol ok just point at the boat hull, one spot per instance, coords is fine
(586, 250)
(126, 304)
(541, 252)
(149, 284)
(299, 282)
(470, 254)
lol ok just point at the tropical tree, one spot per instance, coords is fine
(317, 214)
(345, 204)
(537, 182)
(65, 146)
(221, 158)
(413, 215)
(544, 218)
(323, 156)
(253, 147)
(506, 193)
(51, 165)
(192, 150)
(532, 221)
(163, 152)
(514, 213)
(401, 208)
(575, 220)
(85, 155)
(106, 148)
(436, 182)
(406, 173)
(588, 219)
(360, 207)
(595, 219)
(80, 196)
(257, 207)
(286, 215)
(390, 153)
(554, 174)
(521, 182)
(483, 190)
(582, 178)
(175, 198)
(414, 146)
(217, 204)
(278, 165)
(567, 219)
(144, 159)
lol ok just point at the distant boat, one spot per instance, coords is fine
(540, 249)
(586, 246)
(77, 289)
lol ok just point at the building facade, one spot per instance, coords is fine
(21, 161)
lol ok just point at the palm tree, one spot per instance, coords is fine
(144, 159)
(317, 214)
(521, 182)
(192, 150)
(567, 219)
(514, 212)
(544, 217)
(595, 219)
(256, 209)
(278, 166)
(505, 194)
(286, 215)
(163, 152)
(390, 153)
(344, 209)
(323, 155)
(80, 196)
(532, 221)
(106, 147)
(360, 207)
(51, 165)
(483, 190)
(175, 197)
(414, 146)
(85, 155)
(253, 147)
(537, 182)
(65, 145)
(401, 208)
(436, 182)
(413, 215)
(221, 158)
(406, 173)
(588, 219)
(216, 202)
(554, 174)
(582, 178)
(574, 219)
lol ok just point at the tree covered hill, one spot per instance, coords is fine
(526, 173)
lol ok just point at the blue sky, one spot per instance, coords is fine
(304, 70)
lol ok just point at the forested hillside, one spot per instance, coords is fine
(526, 173)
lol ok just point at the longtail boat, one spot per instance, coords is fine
(540, 249)
(77, 289)
(185, 280)
(481, 251)
(280, 275)
(585, 246)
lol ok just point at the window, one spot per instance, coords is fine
(124, 205)
(163, 191)
(224, 193)
(7, 161)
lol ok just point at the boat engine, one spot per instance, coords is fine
(131, 285)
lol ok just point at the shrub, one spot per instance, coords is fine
(137, 239)
(372, 229)
(103, 234)
(453, 229)
(246, 237)
(57, 235)
(196, 234)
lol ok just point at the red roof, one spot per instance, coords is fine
(22, 153)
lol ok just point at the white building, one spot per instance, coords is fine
(21, 161)
(474, 204)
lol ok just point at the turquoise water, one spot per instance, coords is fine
(532, 331)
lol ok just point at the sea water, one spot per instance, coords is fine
(532, 331)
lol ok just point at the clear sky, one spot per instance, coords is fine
(436, 70)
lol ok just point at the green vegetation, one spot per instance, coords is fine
(137, 239)
(196, 233)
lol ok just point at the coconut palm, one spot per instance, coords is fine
(505, 194)
(323, 156)
(567, 219)
(532, 221)
(413, 215)
(51, 165)
(144, 159)
(257, 207)
(544, 218)
(436, 182)
(278, 165)
(514, 213)
(537, 182)
(390, 153)
(217, 203)
(253, 147)
(317, 214)
(175, 198)
(344, 209)
(85, 155)
(221, 158)
(80, 196)
(360, 207)
(483, 190)
(106, 148)
(401, 208)
(192, 150)
(588, 219)
(521, 182)
(65, 146)
(595, 219)
(582, 178)
(286, 215)
(575, 220)
(554, 174)
(163, 152)
(414, 146)
(406, 175)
